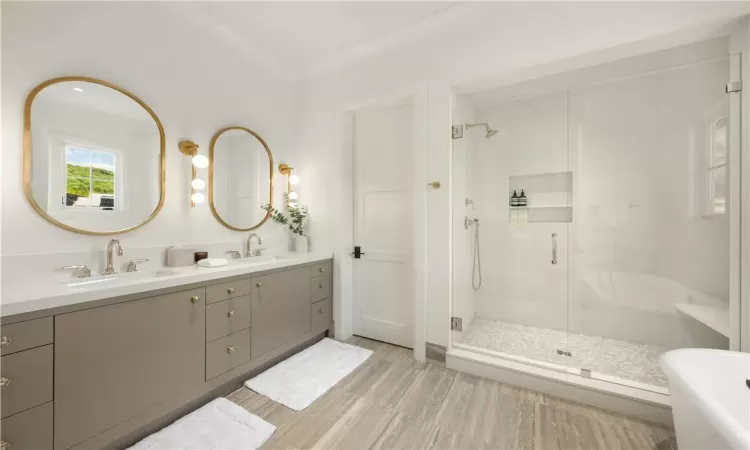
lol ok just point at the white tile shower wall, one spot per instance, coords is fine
(521, 283)
(195, 81)
(643, 237)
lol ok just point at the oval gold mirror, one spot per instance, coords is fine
(93, 156)
(240, 178)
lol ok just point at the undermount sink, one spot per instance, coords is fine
(119, 278)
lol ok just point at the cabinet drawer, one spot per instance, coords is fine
(218, 292)
(25, 335)
(227, 317)
(322, 315)
(321, 269)
(321, 288)
(28, 379)
(29, 430)
(227, 353)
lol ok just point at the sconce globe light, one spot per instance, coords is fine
(197, 198)
(293, 179)
(200, 161)
(190, 148)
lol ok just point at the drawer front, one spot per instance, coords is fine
(27, 379)
(29, 430)
(321, 288)
(25, 335)
(321, 269)
(227, 317)
(322, 315)
(227, 353)
(218, 292)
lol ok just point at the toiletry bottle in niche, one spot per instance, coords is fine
(522, 199)
(514, 200)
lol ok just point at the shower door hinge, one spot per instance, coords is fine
(456, 324)
(457, 131)
(734, 86)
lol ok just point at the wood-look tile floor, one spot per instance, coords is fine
(395, 402)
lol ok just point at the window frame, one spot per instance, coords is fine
(67, 143)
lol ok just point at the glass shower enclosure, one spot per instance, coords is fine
(599, 217)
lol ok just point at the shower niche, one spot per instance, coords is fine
(548, 198)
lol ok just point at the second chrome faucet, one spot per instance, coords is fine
(114, 243)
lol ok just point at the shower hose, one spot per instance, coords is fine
(477, 262)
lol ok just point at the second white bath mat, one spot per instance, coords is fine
(298, 381)
(220, 424)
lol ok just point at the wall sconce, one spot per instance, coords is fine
(292, 180)
(190, 148)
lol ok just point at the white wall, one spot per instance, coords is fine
(474, 41)
(194, 81)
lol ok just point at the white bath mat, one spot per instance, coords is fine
(298, 381)
(219, 425)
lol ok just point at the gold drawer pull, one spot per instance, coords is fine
(230, 291)
(194, 299)
(259, 284)
(5, 340)
(322, 269)
(320, 311)
(4, 445)
(4, 382)
(230, 349)
(230, 314)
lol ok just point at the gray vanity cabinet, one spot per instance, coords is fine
(114, 362)
(280, 309)
(106, 374)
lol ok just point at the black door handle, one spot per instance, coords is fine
(358, 252)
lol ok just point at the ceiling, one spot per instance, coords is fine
(297, 39)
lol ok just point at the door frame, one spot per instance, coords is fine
(344, 287)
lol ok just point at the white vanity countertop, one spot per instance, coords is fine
(45, 294)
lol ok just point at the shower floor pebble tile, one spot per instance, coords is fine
(627, 360)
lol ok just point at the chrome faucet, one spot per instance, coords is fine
(110, 258)
(249, 252)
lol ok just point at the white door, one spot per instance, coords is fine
(384, 275)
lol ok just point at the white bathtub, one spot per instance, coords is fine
(710, 398)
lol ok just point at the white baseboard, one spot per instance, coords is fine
(624, 400)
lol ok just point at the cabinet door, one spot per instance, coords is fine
(114, 362)
(280, 309)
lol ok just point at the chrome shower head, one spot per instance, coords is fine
(489, 132)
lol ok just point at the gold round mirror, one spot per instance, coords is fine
(94, 156)
(240, 178)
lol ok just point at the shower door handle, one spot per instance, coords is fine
(554, 248)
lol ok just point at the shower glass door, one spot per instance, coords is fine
(520, 310)
(650, 258)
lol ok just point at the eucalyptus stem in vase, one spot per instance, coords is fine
(296, 223)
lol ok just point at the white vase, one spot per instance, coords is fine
(301, 244)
